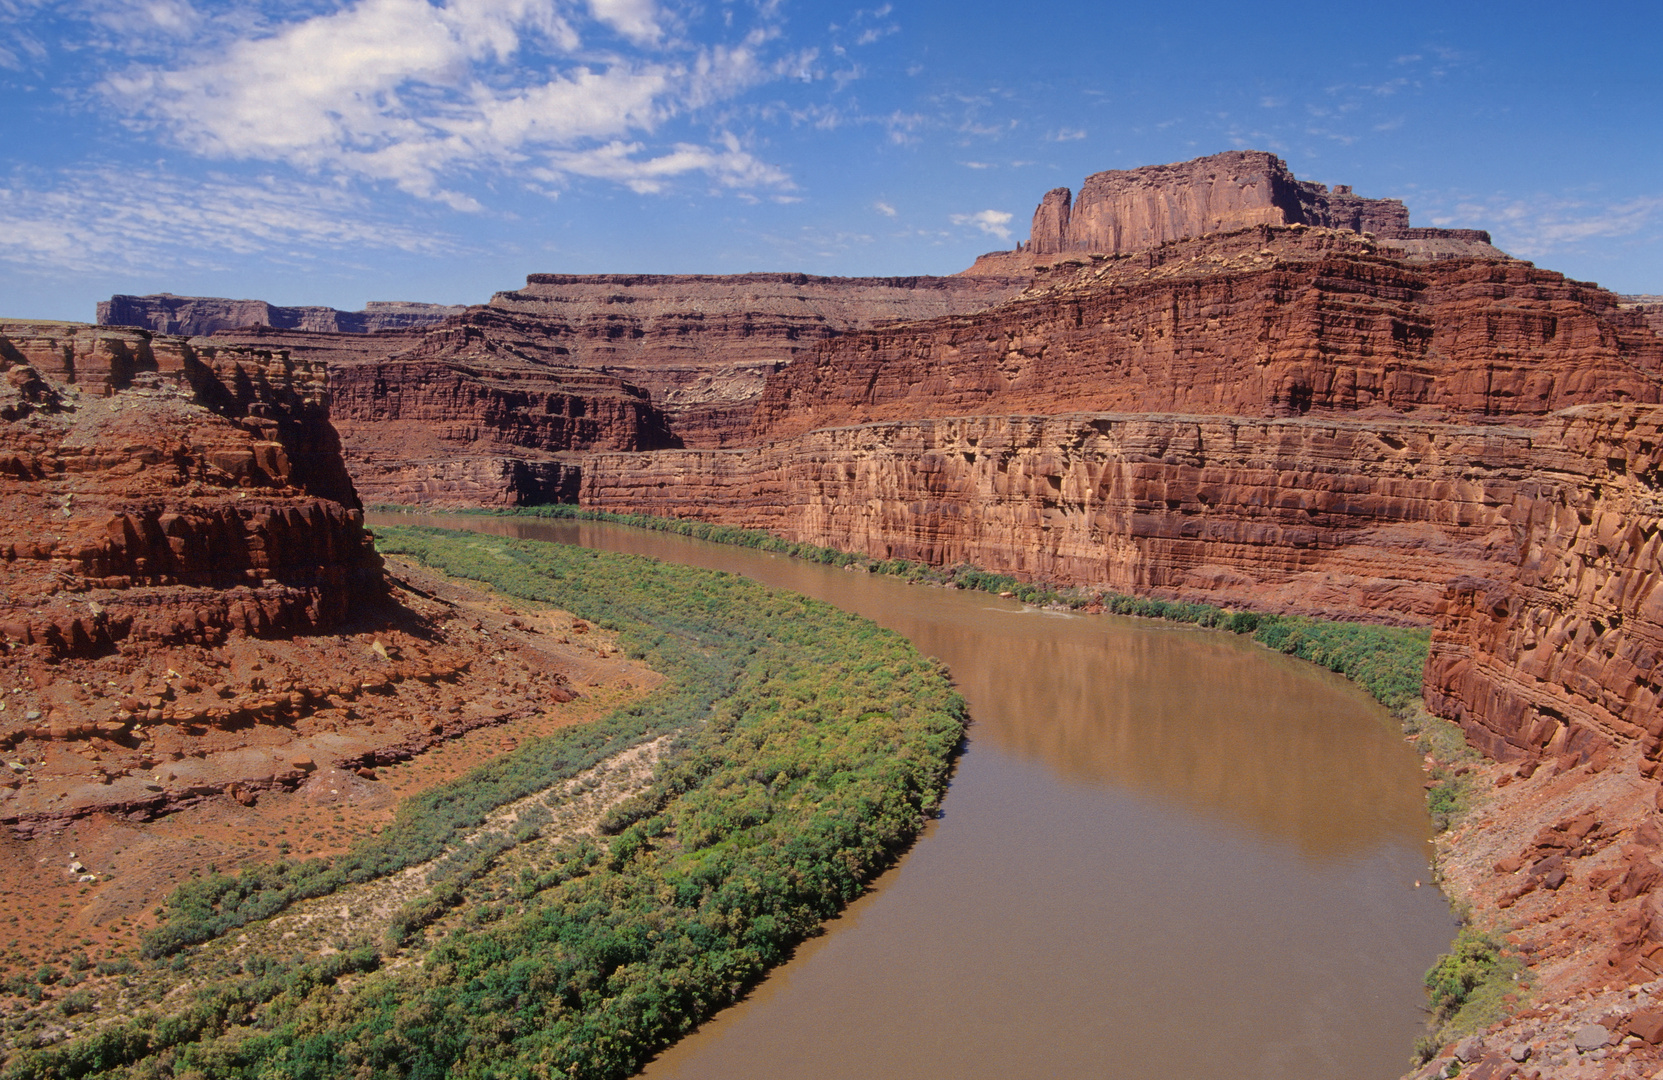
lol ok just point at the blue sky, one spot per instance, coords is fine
(338, 151)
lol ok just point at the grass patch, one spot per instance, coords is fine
(1451, 792)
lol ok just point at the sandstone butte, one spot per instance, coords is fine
(1206, 381)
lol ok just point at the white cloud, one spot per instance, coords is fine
(1066, 135)
(635, 19)
(104, 218)
(420, 95)
(18, 45)
(729, 166)
(884, 208)
(1543, 226)
(992, 222)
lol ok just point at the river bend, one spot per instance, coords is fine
(1165, 852)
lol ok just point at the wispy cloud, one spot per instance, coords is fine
(884, 208)
(629, 164)
(992, 222)
(1066, 135)
(1543, 226)
(426, 96)
(104, 218)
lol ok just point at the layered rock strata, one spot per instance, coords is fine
(1260, 322)
(1327, 517)
(1126, 210)
(1555, 650)
(461, 414)
(1649, 308)
(482, 431)
(703, 345)
(157, 491)
(197, 315)
(490, 406)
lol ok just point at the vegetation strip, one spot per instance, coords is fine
(810, 747)
(1387, 661)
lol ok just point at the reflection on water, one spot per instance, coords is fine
(1165, 852)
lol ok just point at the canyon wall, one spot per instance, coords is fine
(482, 430)
(1556, 649)
(703, 345)
(1649, 308)
(489, 406)
(1260, 322)
(1325, 517)
(155, 490)
(196, 315)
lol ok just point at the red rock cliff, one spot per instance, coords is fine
(703, 344)
(197, 315)
(1324, 517)
(1133, 209)
(1556, 649)
(1260, 322)
(155, 490)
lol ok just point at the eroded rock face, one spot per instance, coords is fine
(489, 407)
(1260, 322)
(1125, 210)
(1334, 518)
(703, 345)
(415, 428)
(194, 315)
(158, 491)
(1555, 651)
(1649, 308)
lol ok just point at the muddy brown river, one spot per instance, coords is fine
(1166, 852)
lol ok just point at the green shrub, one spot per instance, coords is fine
(1467, 989)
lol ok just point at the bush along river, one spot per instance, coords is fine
(1164, 851)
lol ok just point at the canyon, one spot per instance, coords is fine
(1204, 381)
(201, 652)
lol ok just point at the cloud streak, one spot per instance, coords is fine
(104, 218)
(1544, 226)
(425, 96)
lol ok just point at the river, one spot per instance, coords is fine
(1165, 852)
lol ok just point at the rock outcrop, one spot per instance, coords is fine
(1266, 321)
(196, 315)
(156, 491)
(1555, 650)
(1327, 517)
(703, 345)
(479, 430)
(488, 406)
(1649, 308)
(462, 414)
(1126, 210)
